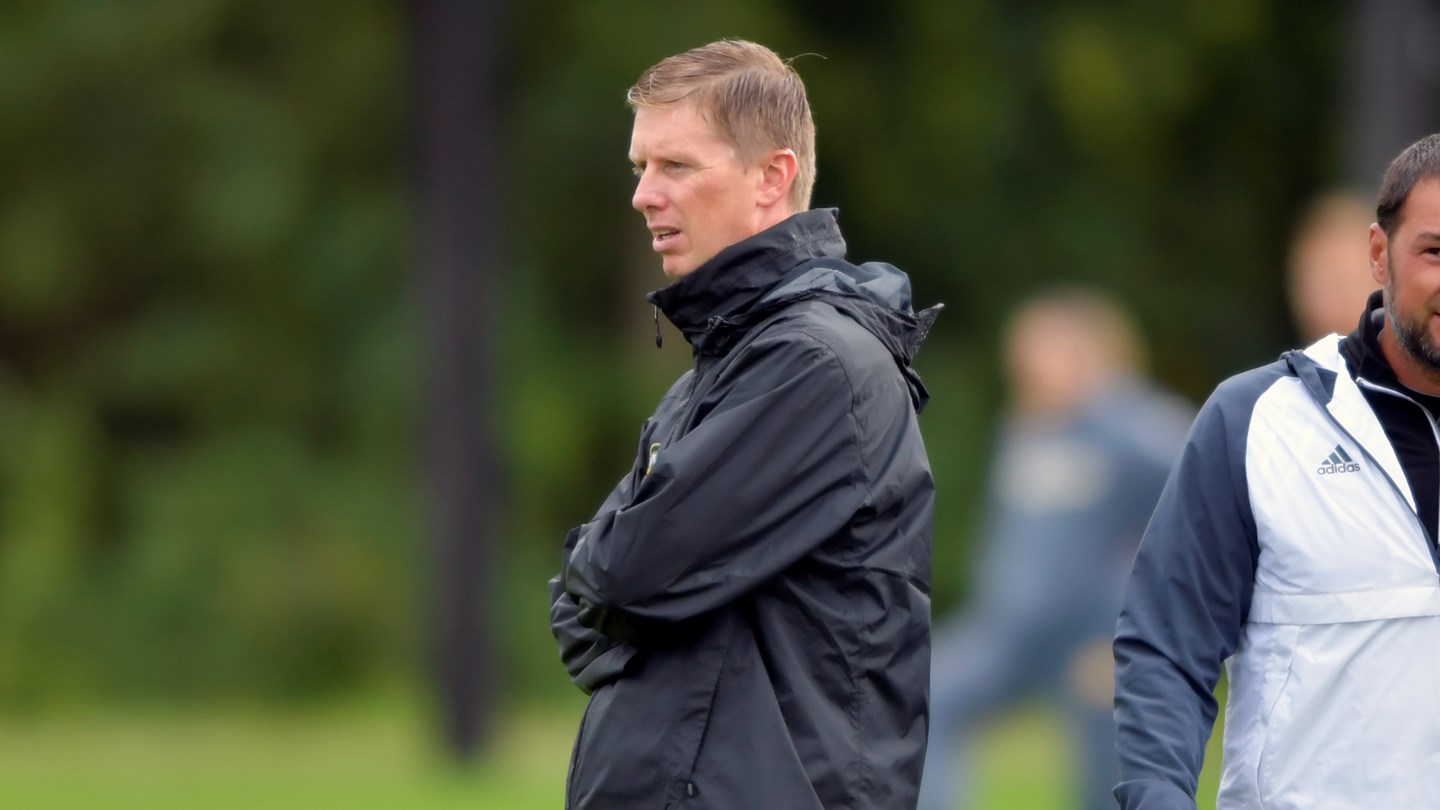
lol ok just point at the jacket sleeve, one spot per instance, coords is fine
(1186, 601)
(771, 471)
(591, 658)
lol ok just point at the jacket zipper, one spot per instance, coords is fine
(692, 403)
(690, 788)
(1434, 431)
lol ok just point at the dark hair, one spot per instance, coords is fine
(1419, 161)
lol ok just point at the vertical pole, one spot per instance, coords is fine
(1393, 83)
(457, 89)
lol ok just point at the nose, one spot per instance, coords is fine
(647, 192)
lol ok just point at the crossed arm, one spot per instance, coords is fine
(773, 469)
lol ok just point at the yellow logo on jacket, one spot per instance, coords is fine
(654, 451)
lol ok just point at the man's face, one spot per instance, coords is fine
(1407, 263)
(1054, 363)
(696, 195)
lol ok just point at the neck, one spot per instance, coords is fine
(767, 218)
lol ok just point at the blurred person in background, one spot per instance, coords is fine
(1326, 280)
(749, 609)
(1082, 456)
(1295, 544)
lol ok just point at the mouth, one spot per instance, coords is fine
(663, 238)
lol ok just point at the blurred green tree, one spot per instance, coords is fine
(206, 483)
(210, 344)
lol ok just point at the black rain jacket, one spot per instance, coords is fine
(749, 610)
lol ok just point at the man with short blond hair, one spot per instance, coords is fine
(749, 608)
(749, 95)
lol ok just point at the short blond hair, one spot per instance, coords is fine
(1095, 318)
(1328, 275)
(752, 97)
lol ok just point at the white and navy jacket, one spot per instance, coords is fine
(1286, 544)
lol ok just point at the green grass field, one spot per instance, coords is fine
(377, 755)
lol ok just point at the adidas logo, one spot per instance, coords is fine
(1337, 462)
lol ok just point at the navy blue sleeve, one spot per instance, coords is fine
(1185, 604)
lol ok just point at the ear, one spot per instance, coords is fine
(777, 175)
(1379, 246)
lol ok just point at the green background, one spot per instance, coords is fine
(213, 569)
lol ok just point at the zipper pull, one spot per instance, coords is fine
(659, 341)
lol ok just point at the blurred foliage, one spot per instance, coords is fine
(207, 371)
(209, 338)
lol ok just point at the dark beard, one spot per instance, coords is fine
(1414, 340)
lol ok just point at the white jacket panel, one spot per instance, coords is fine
(1342, 644)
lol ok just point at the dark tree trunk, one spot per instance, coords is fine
(457, 92)
(1393, 83)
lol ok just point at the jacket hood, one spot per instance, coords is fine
(1357, 354)
(799, 259)
(735, 279)
(1361, 348)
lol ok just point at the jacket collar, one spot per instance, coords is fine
(740, 275)
(1362, 347)
(1342, 373)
